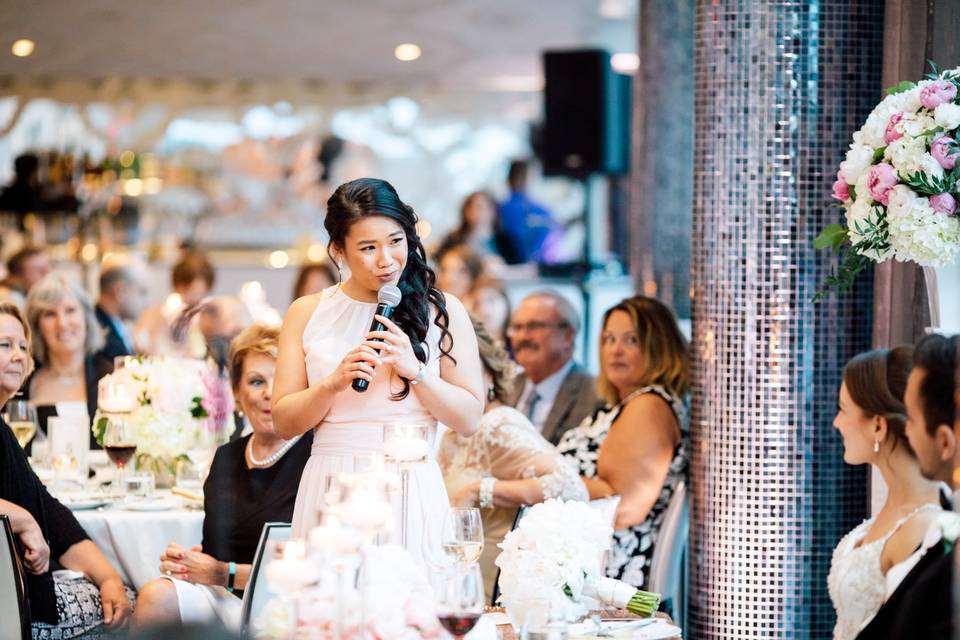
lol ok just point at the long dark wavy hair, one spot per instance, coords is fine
(358, 199)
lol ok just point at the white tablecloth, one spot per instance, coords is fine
(134, 540)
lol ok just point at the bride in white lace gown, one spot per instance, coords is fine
(423, 367)
(871, 419)
(505, 464)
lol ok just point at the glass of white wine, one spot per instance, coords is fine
(22, 418)
(463, 535)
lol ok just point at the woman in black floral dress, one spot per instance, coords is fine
(636, 447)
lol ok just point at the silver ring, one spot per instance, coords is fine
(168, 572)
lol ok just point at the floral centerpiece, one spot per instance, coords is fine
(177, 404)
(900, 182)
(546, 560)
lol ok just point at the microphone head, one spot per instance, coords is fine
(389, 295)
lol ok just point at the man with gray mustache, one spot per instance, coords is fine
(556, 393)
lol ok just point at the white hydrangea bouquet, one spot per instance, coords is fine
(176, 404)
(900, 182)
(545, 559)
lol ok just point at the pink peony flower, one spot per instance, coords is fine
(941, 153)
(944, 203)
(841, 191)
(882, 179)
(937, 93)
(892, 133)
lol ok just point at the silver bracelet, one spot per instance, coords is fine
(417, 378)
(486, 492)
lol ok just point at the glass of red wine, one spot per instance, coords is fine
(120, 445)
(460, 598)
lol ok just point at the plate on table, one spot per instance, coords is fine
(83, 501)
(163, 503)
(627, 630)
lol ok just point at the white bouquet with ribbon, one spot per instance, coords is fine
(172, 404)
(556, 555)
(900, 182)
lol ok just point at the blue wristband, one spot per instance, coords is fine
(231, 575)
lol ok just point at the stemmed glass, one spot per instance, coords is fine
(22, 418)
(460, 598)
(463, 535)
(120, 445)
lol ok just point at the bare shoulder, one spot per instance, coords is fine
(648, 413)
(908, 537)
(302, 308)
(454, 306)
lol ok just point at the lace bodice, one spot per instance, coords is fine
(507, 447)
(856, 582)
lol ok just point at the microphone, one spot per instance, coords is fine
(387, 300)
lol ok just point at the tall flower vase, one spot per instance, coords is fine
(406, 445)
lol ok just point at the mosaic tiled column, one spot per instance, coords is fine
(662, 183)
(780, 85)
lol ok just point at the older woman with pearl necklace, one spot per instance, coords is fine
(252, 481)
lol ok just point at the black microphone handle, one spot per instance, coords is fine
(383, 309)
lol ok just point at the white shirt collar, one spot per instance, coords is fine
(548, 389)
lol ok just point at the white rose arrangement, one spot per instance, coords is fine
(900, 182)
(556, 554)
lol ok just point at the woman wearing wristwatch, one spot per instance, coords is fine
(252, 481)
(507, 463)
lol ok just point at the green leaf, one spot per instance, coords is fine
(100, 428)
(878, 155)
(900, 87)
(852, 190)
(833, 236)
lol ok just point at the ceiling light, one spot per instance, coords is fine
(407, 52)
(625, 62)
(22, 48)
(279, 259)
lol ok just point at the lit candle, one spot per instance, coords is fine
(367, 511)
(117, 399)
(332, 538)
(406, 449)
(293, 571)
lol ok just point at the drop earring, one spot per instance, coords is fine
(491, 394)
(876, 445)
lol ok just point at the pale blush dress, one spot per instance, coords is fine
(355, 421)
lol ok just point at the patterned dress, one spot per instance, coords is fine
(632, 547)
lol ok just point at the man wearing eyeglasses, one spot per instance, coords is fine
(556, 393)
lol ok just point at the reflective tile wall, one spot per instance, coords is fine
(780, 86)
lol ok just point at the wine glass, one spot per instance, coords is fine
(463, 535)
(120, 445)
(460, 598)
(22, 418)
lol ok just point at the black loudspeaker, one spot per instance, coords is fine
(587, 114)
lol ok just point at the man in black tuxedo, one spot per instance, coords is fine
(921, 606)
(123, 296)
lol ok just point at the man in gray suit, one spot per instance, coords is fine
(556, 393)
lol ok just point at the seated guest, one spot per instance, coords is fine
(872, 422)
(48, 533)
(221, 319)
(252, 481)
(24, 269)
(192, 279)
(636, 446)
(489, 302)
(123, 297)
(555, 393)
(505, 464)
(457, 270)
(314, 277)
(480, 229)
(917, 592)
(66, 339)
